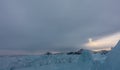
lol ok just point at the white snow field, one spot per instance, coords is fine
(84, 61)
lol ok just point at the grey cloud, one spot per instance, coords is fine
(55, 24)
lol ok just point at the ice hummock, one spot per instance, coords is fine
(113, 59)
(83, 61)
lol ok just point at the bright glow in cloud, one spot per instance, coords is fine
(105, 42)
(90, 40)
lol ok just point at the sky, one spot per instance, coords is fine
(58, 25)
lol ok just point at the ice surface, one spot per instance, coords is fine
(79, 62)
(113, 59)
(47, 62)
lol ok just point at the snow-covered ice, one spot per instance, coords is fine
(112, 61)
(47, 62)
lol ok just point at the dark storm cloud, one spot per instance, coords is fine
(55, 24)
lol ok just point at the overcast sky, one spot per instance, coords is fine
(62, 25)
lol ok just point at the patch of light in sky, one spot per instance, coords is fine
(105, 42)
